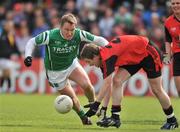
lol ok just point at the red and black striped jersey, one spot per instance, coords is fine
(123, 50)
(172, 32)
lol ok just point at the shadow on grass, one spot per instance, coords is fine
(87, 128)
(90, 128)
(143, 122)
(15, 125)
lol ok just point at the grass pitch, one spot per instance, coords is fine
(36, 113)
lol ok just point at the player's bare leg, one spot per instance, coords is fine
(117, 94)
(165, 103)
(83, 80)
(102, 111)
(177, 83)
(68, 90)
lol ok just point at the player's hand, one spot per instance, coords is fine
(93, 108)
(28, 61)
(166, 58)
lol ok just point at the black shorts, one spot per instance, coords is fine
(148, 66)
(176, 64)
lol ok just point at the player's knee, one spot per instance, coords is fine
(75, 101)
(86, 85)
(157, 91)
(117, 83)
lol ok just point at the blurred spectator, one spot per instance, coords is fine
(118, 29)
(106, 23)
(123, 16)
(157, 36)
(85, 18)
(111, 17)
(18, 14)
(156, 31)
(10, 15)
(138, 26)
(94, 29)
(40, 26)
(101, 10)
(2, 14)
(70, 7)
(89, 4)
(23, 37)
(29, 14)
(147, 15)
(9, 52)
(53, 17)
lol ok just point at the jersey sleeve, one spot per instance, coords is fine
(88, 37)
(42, 38)
(30, 47)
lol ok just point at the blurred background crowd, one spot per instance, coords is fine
(20, 20)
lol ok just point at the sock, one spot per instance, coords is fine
(102, 112)
(2, 81)
(179, 93)
(115, 110)
(170, 114)
(9, 82)
(81, 113)
(103, 108)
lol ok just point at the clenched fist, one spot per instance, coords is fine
(28, 61)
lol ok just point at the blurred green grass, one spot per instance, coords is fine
(36, 113)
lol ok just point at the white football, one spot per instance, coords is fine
(63, 104)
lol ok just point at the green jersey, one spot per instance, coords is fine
(60, 52)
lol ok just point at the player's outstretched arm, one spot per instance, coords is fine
(93, 106)
(28, 52)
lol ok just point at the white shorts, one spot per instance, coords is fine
(7, 64)
(59, 79)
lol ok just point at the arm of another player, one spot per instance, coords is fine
(103, 93)
(105, 90)
(101, 113)
(167, 54)
(88, 37)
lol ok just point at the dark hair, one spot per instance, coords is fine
(89, 51)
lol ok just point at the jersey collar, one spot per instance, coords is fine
(63, 36)
(176, 18)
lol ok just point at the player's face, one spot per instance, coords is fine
(67, 30)
(175, 4)
(93, 62)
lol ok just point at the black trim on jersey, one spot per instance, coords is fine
(47, 75)
(45, 36)
(176, 18)
(167, 36)
(83, 34)
(110, 64)
(48, 57)
(116, 40)
(157, 48)
(108, 46)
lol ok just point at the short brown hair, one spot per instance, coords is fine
(70, 18)
(89, 51)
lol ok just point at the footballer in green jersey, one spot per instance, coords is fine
(61, 63)
(61, 52)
